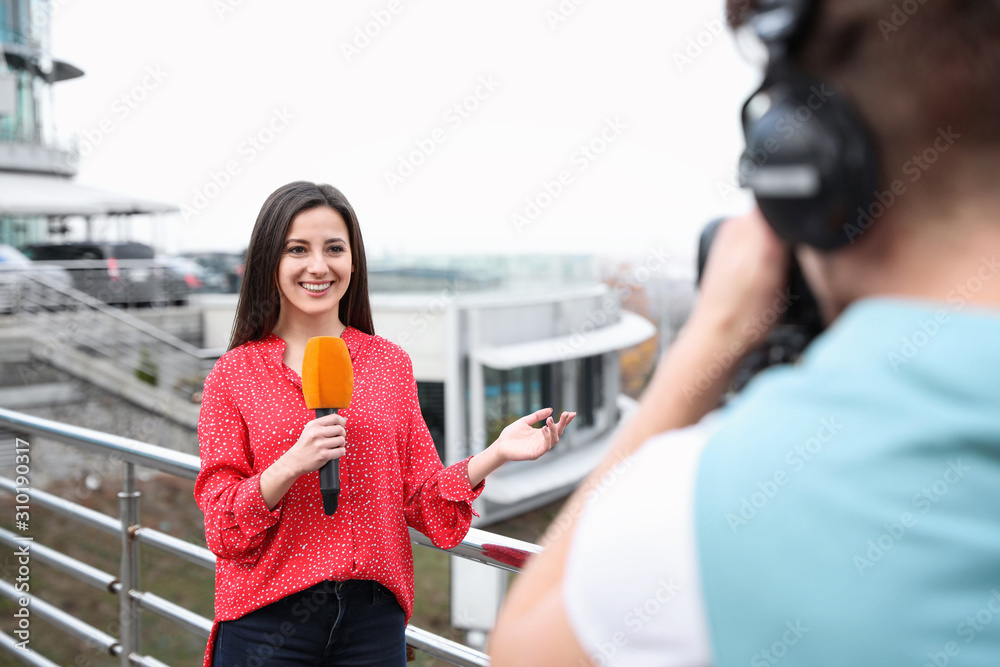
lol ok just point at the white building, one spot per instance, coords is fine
(484, 355)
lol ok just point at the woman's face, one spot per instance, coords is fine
(315, 266)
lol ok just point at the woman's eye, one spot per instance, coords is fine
(336, 248)
(296, 250)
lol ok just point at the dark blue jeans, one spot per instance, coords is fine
(331, 624)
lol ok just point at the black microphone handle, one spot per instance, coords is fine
(329, 474)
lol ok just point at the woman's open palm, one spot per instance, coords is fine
(519, 441)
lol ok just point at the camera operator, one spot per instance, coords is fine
(842, 510)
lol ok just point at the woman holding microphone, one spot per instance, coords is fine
(293, 585)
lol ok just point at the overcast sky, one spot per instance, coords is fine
(452, 126)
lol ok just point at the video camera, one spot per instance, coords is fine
(794, 330)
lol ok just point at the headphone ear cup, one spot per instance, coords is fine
(809, 161)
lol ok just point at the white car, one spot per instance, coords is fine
(15, 269)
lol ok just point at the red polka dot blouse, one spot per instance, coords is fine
(252, 411)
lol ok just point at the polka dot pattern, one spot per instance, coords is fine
(391, 477)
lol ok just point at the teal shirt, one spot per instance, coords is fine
(848, 509)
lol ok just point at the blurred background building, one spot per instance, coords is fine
(37, 190)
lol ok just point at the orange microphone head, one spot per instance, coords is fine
(327, 376)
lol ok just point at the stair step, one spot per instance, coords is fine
(29, 396)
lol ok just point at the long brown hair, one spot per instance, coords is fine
(259, 303)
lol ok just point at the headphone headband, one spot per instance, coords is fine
(781, 22)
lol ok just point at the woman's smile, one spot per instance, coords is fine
(317, 289)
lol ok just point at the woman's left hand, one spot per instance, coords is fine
(519, 441)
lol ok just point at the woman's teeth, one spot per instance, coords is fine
(316, 288)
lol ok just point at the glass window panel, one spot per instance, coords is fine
(431, 397)
(511, 394)
(590, 389)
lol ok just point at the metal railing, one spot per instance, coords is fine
(77, 329)
(481, 546)
(123, 282)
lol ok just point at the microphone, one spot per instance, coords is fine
(327, 385)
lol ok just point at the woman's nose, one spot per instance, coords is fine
(316, 264)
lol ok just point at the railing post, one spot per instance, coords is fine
(15, 297)
(128, 501)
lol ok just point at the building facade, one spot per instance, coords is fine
(485, 357)
(37, 192)
(28, 143)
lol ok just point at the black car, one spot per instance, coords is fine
(223, 270)
(120, 273)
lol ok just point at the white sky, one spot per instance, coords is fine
(227, 69)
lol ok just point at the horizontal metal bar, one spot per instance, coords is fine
(125, 449)
(39, 608)
(196, 623)
(28, 657)
(85, 515)
(146, 661)
(478, 545)
(60, 561)
(499, 551)
(176, 546)
(445, 649)
(173, 545)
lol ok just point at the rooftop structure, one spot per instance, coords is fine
(37, 193)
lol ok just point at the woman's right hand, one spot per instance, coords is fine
(323, 439)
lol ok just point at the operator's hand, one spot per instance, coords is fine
(743, 286)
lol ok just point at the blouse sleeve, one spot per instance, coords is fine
(437, 500)
(226, 489)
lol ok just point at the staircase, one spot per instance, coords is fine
(55, 331)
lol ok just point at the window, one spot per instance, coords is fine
(589, 389)
(511, 394)
(23, 125)
(431, 397)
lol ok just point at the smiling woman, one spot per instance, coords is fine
(313, 274)
(261, 449)
(292, 213)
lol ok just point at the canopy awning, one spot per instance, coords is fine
(42, 194)
(29, 58)
(630, 330)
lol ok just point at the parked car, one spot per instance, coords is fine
(121, 273)
(15, 268)
(223, 270)
(187, 270)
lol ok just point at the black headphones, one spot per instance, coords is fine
(808, 159)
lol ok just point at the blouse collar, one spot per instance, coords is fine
(274, 348)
